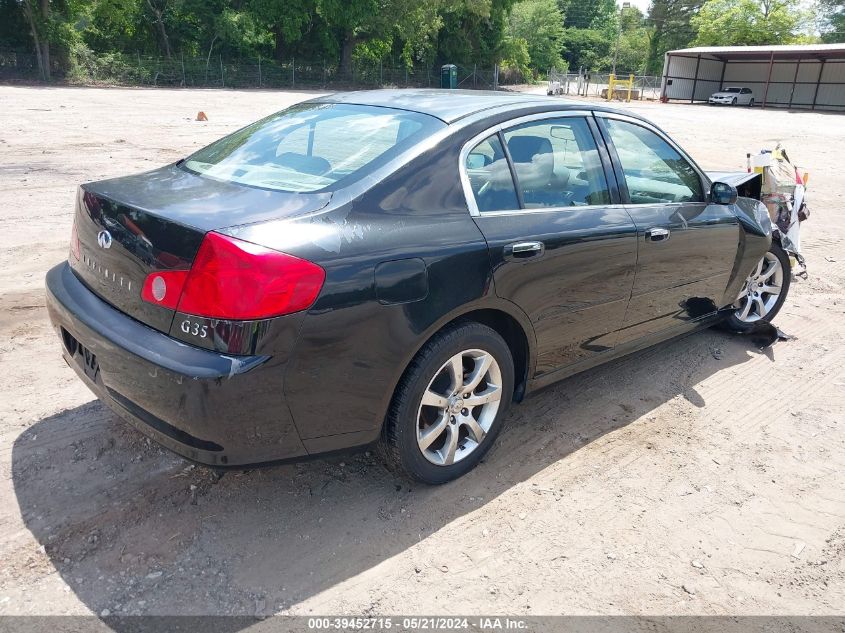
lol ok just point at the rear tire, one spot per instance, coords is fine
(757, 301)
(444, 435)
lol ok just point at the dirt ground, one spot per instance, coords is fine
(699, 477)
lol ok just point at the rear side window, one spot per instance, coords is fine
(490, 176)
(313, 147)
(654, 171)
(557, 163)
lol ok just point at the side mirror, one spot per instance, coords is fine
(722, 193)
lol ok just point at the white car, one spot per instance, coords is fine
(732, 96)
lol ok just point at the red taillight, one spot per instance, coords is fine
(164, 287)
(74, 242)
(233, 279)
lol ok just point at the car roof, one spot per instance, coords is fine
(448, 105)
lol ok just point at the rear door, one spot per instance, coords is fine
(687, 246)
(745, 96)
(562, 247)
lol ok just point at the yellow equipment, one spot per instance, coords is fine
(613, 83)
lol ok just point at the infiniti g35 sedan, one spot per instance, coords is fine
(396, 267)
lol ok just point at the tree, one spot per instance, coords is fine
(588, 14)
(747, 22)
(475, 31)
(633, 42)
(832, 25)
(586, 48)
(52, 27)
(540, 24)
(37, 14)
(671, 28)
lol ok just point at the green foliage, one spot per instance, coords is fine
(633, 42)
(96, 38)
(589, 14)
(671, 29)
(832, 25)
(586, 48)
(516, 58)
(747, 22)
(539, 24)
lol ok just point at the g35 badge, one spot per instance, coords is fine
(194, 329)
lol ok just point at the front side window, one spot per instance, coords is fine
(313, 146)
(557, 163)
(654, 171)
(490, 176)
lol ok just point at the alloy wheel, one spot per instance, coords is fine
(761, 290)
(459, 406)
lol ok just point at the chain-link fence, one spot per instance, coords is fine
(595, 85)
(217, 71)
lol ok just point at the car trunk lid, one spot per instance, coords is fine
(129, 227)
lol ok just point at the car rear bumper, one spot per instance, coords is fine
(189, 399)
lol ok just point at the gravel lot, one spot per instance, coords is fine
(700, 477)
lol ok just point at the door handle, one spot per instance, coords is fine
(657, 234)
(524, 250)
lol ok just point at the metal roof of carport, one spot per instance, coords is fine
(764, 53)
(770, 56)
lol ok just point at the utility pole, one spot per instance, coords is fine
(625, 5)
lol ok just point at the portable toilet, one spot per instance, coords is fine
(449, 76)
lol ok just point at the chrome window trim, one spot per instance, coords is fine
(705, 181)
(506, 212)
(505, 125)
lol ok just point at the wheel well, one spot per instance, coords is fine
(509, 329)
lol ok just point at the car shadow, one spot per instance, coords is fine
(133, 529)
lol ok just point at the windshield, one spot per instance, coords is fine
(731, 90)
(312, 146)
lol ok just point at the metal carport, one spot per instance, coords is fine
(800, 76)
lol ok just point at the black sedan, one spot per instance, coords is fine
(396, 266)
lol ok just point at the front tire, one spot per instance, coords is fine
(733, 101)
(751, 103)
(449, 405)
(763, 292)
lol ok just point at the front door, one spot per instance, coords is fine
(560, 248)
(687, 246)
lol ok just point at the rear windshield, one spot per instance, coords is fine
(313, 147)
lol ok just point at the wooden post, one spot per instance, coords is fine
(222, 79)
(293, 72)
(259, 70)
(182, 56)
(768, 79)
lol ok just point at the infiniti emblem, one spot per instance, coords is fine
(104, 239)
